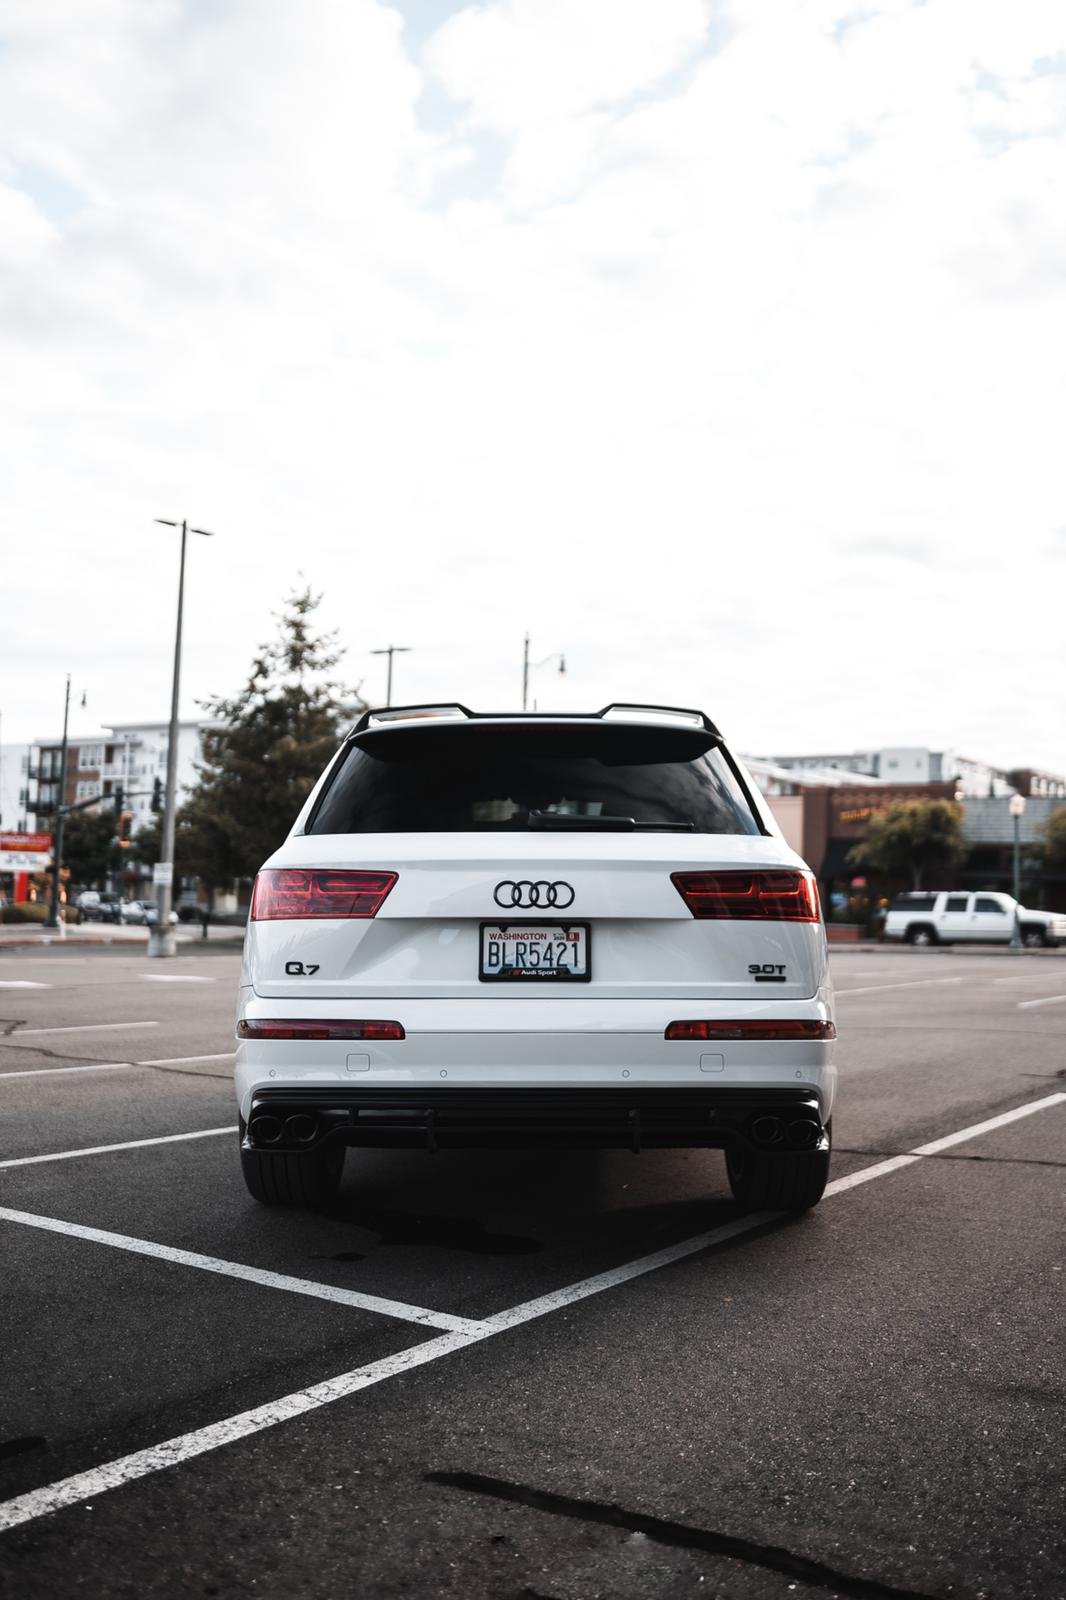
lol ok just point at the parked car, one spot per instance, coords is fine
(99, 907)
(957, 916)
(143, 912)
(536, 931)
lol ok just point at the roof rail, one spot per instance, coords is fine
(688, 713)
(449, 708)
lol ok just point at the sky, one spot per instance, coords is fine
(717, 345)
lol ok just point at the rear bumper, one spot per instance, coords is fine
(574, 1071)
(283, 1120)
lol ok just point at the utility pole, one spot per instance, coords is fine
(390, 651)
(161, 940)
(527, 665)
(57, 840)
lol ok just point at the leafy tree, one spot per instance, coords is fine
(89, 848)
(1053, 842)
(908, 838)
(268, 746)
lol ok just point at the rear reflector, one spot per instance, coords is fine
(269, 1029)
(751, 1029)
(763, 896)
(291, 892)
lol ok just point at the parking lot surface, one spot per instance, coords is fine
(526, 1375)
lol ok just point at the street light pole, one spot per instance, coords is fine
(1017, 809)
(161, 939)
(57, 841)
(390, 651)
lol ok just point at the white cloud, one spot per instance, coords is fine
(708, 334)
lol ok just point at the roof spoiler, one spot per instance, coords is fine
(617, 710)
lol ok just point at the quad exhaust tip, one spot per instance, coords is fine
(298, 1130)
(800, 1133)
(265, 1129)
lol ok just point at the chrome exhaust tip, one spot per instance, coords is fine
(265, 1129)
(804, 1132)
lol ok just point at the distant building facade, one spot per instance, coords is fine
(128, 756)
(896, 764)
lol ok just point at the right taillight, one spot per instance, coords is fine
(774, 896)
(285, 893)
(751, 1028)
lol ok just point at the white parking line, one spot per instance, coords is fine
(174, 977)
(85, 1027)
(105, 1149)
(177, 1061)
(234, 1269)
(49, 1072)
(867, 1174)
(1049, 1000)
(880, 988)
(125, 1469)
(22, 983)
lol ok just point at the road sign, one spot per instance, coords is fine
(163, 873)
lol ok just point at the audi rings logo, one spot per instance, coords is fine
(525, 896)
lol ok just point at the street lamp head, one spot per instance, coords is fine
(1017, 805)
(562, 666)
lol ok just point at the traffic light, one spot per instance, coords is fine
(157, 794)
(125, 828)
(118, 796)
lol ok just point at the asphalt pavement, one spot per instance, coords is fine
(552, 1377)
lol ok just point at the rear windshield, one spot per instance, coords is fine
(479, 778)
(913, 902)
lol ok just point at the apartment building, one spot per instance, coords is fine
(129, 755)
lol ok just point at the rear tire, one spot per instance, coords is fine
(308, 1178)
(793, 1180)
(1034, 938)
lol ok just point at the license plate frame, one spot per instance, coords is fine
(535, 975)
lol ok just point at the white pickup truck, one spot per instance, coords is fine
(956, 917)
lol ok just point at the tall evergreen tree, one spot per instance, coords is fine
(268, 746)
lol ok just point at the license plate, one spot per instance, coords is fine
(534, 952)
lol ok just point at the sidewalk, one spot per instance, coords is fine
(28, 934)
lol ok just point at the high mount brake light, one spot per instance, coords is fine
(749, 1028)
(756, 896)
(284, 893)
(270, 1029)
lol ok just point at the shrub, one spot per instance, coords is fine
(34, 911)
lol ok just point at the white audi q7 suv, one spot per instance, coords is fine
(535, 931)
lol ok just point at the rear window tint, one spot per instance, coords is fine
(479, 778)
(990, 905)
(913, 902)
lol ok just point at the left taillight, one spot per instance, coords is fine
(271, 1028)
(290, 893)
(776, 896)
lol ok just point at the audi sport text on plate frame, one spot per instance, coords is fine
(541, 952)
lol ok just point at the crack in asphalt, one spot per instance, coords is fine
(990, 1161)
(679, 1534)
